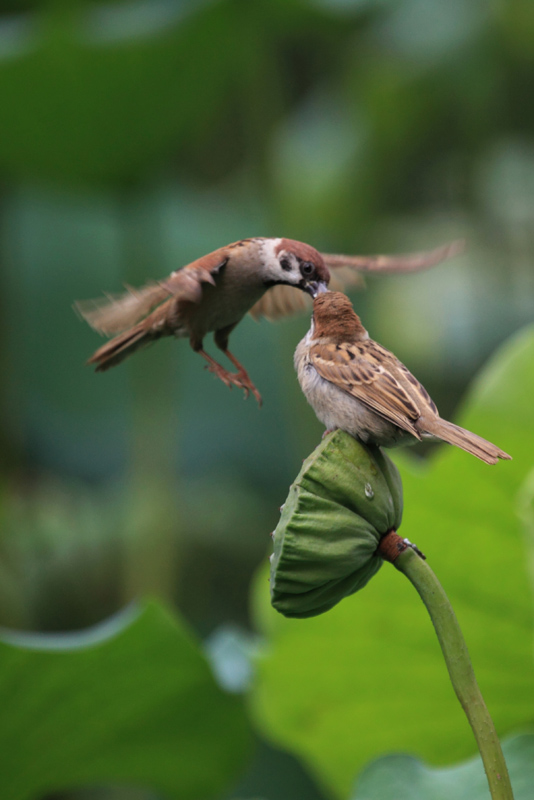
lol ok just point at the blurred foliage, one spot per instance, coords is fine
(405, 778)
(95, 708)
(137, 135)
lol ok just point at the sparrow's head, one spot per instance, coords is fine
(334, 318)
(296, 264)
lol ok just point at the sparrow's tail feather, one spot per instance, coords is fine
(122, 346)
(470, 442)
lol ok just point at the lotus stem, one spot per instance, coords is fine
(410, 562)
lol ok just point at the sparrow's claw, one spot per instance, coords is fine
(248, 386)
(220, 373)
(242, 378)
(239, 379)
(243, 381)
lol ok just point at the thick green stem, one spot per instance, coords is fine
(460, 669)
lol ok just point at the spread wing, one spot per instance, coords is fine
(281, 301)
(355, 369)
(113, 314)
(411, 262)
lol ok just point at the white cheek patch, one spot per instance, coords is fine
(270, 259)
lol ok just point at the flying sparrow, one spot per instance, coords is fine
(213, 294)
(357, 385)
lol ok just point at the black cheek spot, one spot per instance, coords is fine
(285, 264)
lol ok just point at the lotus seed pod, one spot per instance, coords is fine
(345, 498)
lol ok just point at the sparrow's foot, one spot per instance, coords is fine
(239, 378)
(221, 373)
(242, 377)
(327, 431)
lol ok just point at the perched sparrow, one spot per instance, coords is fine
(214, 293)
(354, 384)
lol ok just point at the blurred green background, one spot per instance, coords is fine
(138, 135)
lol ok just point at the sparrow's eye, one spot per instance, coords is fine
(285, 264)
(307, 268)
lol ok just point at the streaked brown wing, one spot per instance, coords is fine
(347, 367)
(281, 301)
(113, 314)
(185, 285)
(420, 389)
(412, 262)
(202, 270)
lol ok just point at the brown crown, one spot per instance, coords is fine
(335, 318)
(306, 253)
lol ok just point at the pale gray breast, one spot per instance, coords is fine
(335, 408)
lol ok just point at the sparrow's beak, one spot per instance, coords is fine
(316, 288)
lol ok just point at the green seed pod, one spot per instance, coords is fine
(345, 498)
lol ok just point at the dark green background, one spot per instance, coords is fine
(137, 136)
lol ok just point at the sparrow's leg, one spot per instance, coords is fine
(241, 377)
(228, 378)
(218, 370)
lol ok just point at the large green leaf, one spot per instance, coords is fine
(368, 677)
(132, 701)
(401, 777)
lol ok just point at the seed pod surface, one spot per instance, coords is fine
(346, 496)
